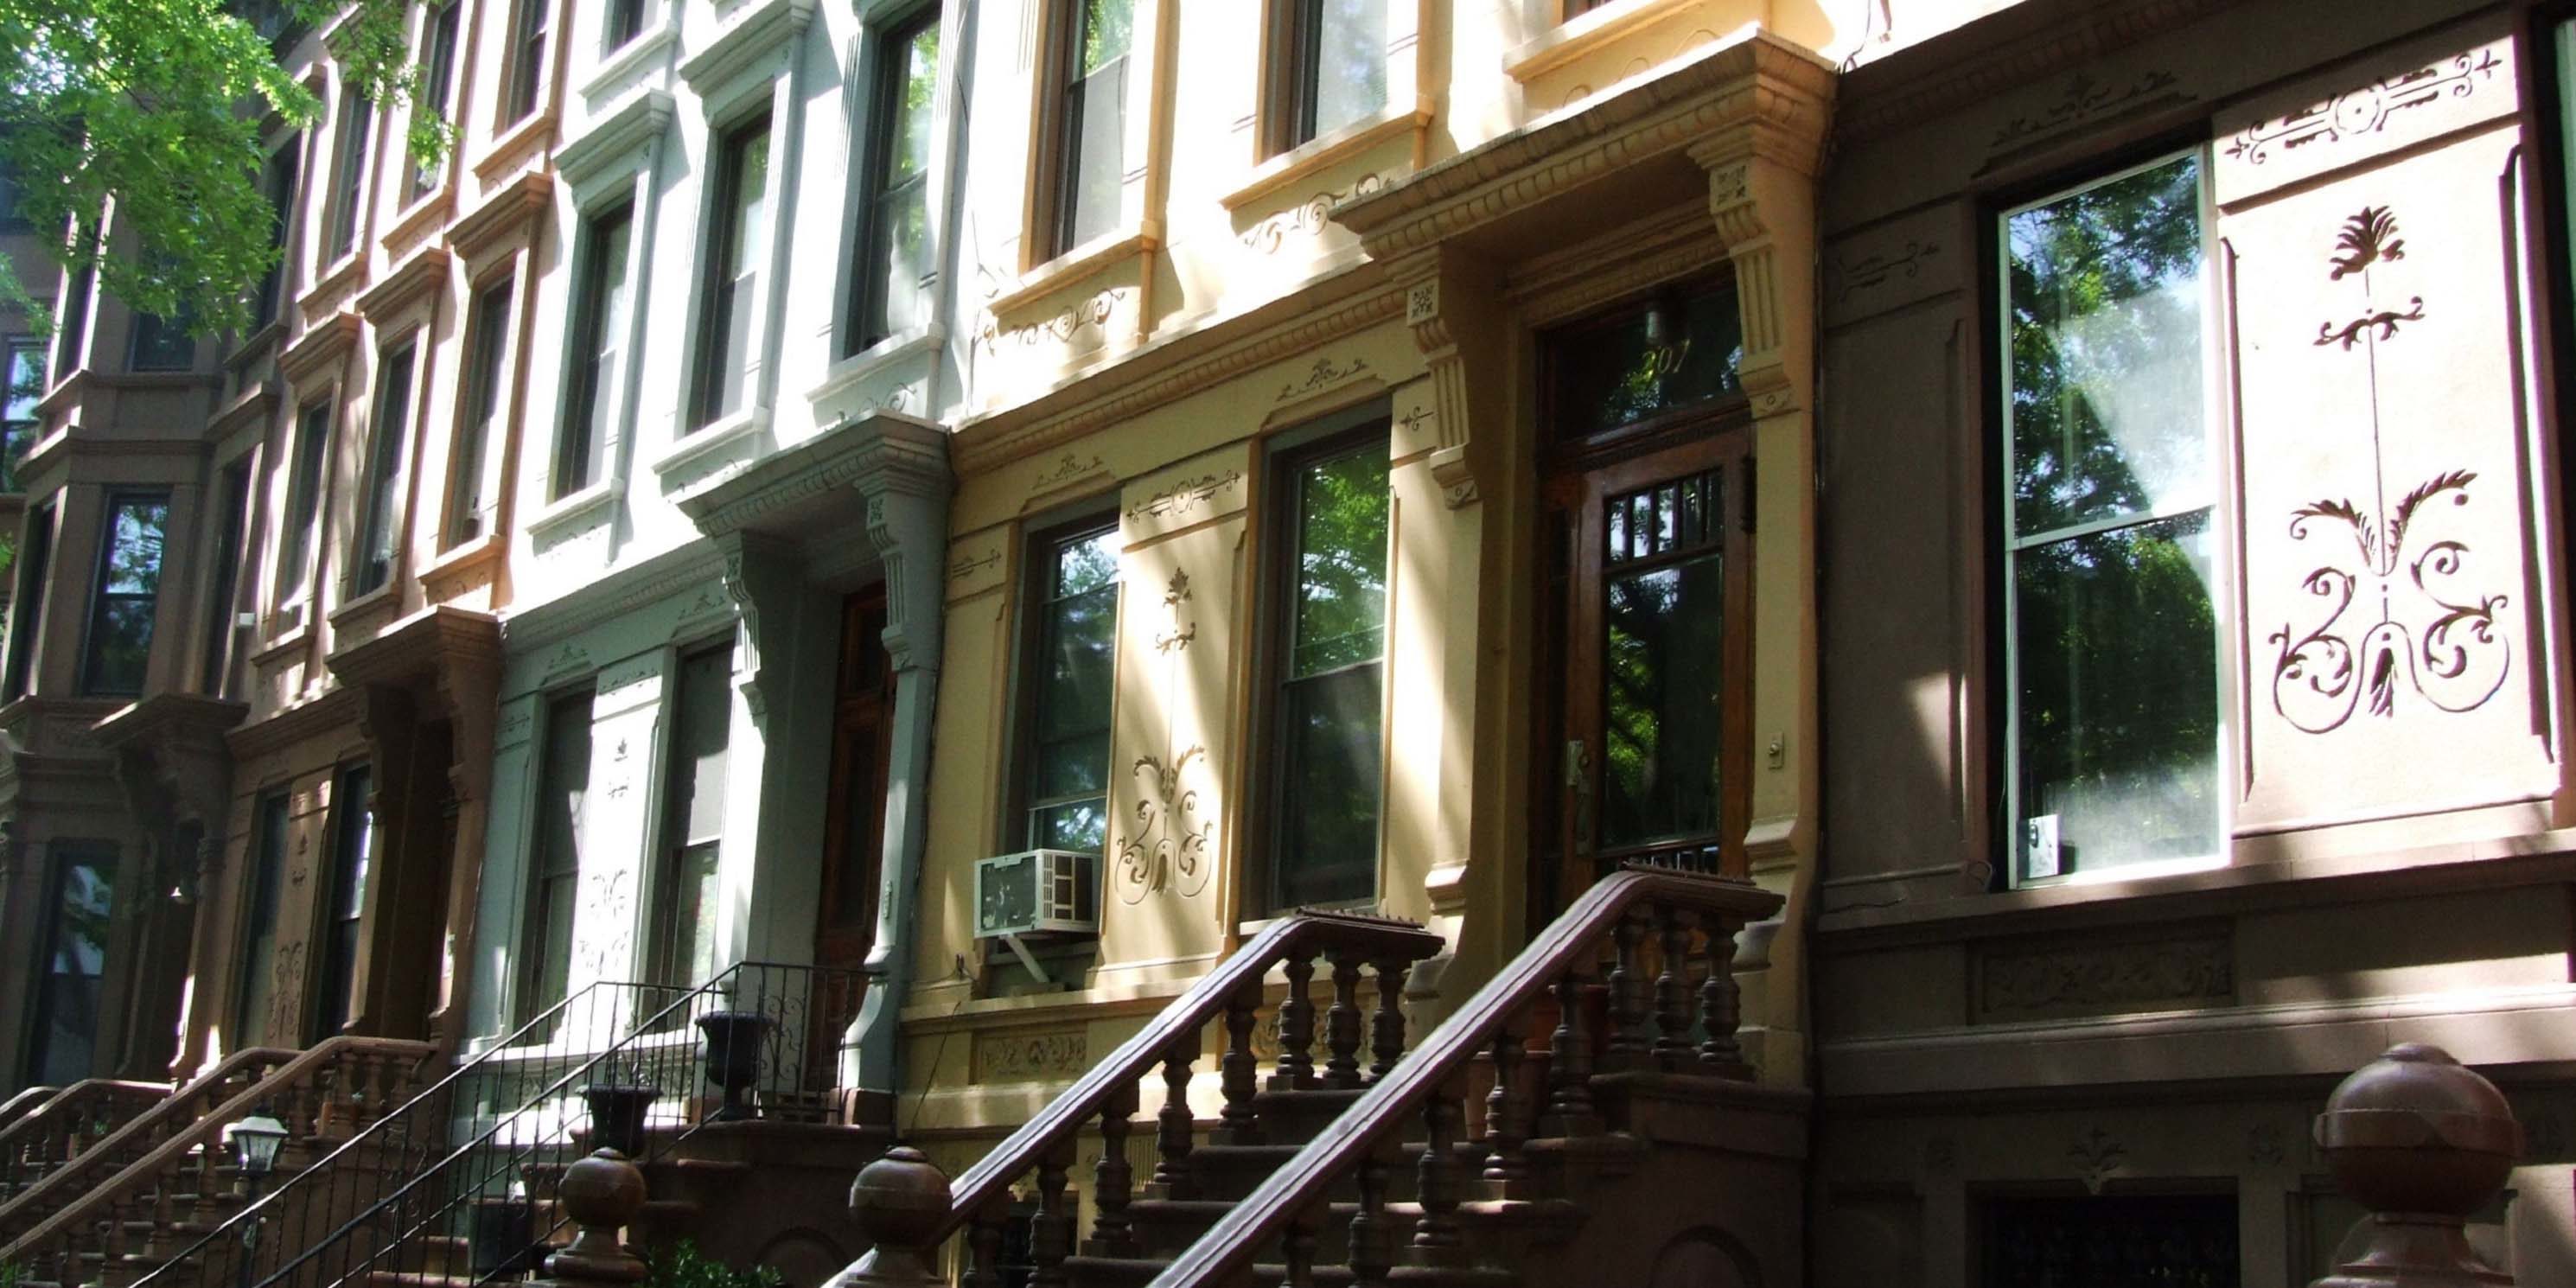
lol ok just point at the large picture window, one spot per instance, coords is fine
(894, 250)
(554, 865)
(1064, 774)
(599, 331)
(129, 590)
(1091, 62)
(1331, 69)
(380, 523)
(1328, 671)
(2111, 626)
(737, 243)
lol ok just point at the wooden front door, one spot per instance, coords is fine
(853, 820)
(1643, 726)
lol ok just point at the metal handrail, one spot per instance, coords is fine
(1225, 1253)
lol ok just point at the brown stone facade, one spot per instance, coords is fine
(2006, 1041)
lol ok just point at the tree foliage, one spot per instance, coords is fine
(149, 114)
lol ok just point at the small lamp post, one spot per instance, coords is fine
(254, 1141)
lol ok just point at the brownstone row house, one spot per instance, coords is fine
(1001, 512)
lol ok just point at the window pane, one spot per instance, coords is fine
(1108, 28)
(918, 80)
(693, 788)
(2107, 419)
(489, 325)
(1348, 63)
(1663, 687)
(303, 499)
(281, 206)
(600, 323)
(528, 66)
(1068, 748)
(27, 607)
(18, 422)
(1075, 825)
(163, 344)
(378, 537)
(555, 867)
(1096, 114)
(257, 990)
(349, 200)
(352, 845)
(134, 547)
(898, 250)
(75, 959)
(129, 583)
(742, 240)
(1669, 356)
(1075, 766)
(1341, 562)
(438, 67)
(1328, 796)
(2116, 647)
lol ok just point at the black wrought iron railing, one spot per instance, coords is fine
(456, 1185)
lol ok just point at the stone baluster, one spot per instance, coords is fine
(1570, 1110)
(1296, 1070)
(1240, 1121)
(1721, 1004)
(1370, 1255)
(1174, 1125)
(600, 1195)
(1436, 1239)
(1112, 1235)
(1386, 1027)
(1630, 1043)
(2424, 1143)
(1342, 1024)
(1051, 1230)
(1672, 990)
(1507, 1117)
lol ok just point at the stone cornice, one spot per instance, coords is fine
(1773, 95)
(419, 275)
(513, 212)
(2007, 50)
(875, 452)
(322, 344)
(335, 707)
(643, 119)
(411, 651)
(769, 28)
(255, 405)
(1160, 373)
(180, 714)
(625, 590)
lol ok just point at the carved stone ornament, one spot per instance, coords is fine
(2098, 1157)
(2429, 633)
(1170, 844)
(1031, 1057)
(2366, 110)
(2088, 98)
(1307, 218)
(1184, 497)
(2019, 984)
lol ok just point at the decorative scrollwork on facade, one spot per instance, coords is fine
(2086, 97)
(1325, 374)
(2365, 110)
(1171, 843)
(2433, 634)
(1184, 497)
(1091, 310)
(1307, 218)
(1068, 468)
(2084, 978)
(1880, 267)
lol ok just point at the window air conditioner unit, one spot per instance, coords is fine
(1037, 892)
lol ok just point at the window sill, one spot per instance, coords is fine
(365, 605)
(513, 143)
(1303, 161)
(574, 509)
(1073, 265)
(286, 641)
(714, 436)
(613, 69)
(254, 345)
(333, 281)
(1579, 36)
(444, 577)
(429, 210)
(877, 357)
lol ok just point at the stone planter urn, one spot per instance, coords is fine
(733, 1057)
(617, 1116)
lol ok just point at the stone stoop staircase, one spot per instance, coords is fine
(116, 1211)
(1618, 1137)
(49, 1126)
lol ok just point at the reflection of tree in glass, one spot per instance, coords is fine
(1329, 722)
(1341, 556)
(134, 553)
(1661, 662)
(88, 897)
(1108, 28)
(2099, 280)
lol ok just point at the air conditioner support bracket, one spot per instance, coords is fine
(1020, 949)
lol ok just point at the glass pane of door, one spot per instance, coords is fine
(1663, 659)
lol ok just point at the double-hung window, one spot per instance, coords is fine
(1331, 72)
(437, 71)
(487, 340)
(598, 331)
(303, 500)
(625, 23)
(1089, 167)
(2111, 626)
(68, 997)
(554, 865)
(693, 788)
(380, 522)
(213, 670)
(349, 171)
(737, 243)
(129, 590)
(1328, 670)
(162, 344)
(255, 989)
(527, 58)
(353, 841)
(1073, 623)
(894, 248)
(279, 183)
(18, 420)
(27, 613)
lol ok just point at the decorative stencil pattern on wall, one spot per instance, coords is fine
(1169, 846)
(2401, 610)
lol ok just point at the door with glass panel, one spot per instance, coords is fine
(1643, 724)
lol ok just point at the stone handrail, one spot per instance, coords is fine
(63, 1122)
(1627, 906)
(331, 1088)
(173, 1111)
(1173, 1041)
